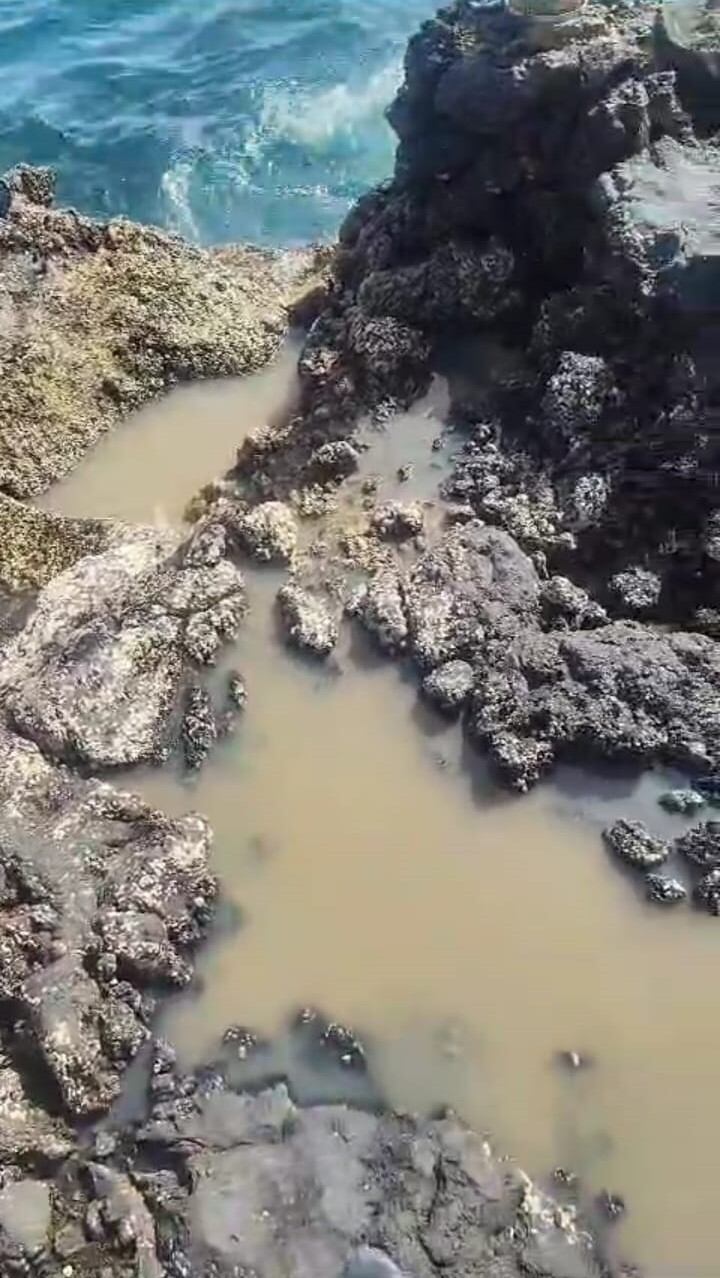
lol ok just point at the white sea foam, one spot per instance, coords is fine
(294, 113)
(175, 187)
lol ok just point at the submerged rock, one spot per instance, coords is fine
(335, 460)
(101, 316)
(237, 690)
(634, 843)
(308, 621)
(682, 801)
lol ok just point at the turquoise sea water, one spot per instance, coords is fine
(222, 119)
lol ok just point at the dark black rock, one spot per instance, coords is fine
(701, 845)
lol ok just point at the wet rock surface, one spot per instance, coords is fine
(216, 1182)
(615, 691)
(701, 845)
(552, 193)
(308, 621)
(96, 676)
(556, 198)
(634, 844)
(102, 901)
(665, 891)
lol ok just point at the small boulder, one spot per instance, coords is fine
(664, 891)
(268, 532)
(636, 591)
(449, 686)
(308, 622)
(682, 801)
(237, 694)
(244, 1042)
(565, 604)
(397, 521)
(701, 844)
(634, 844)
(707, 892)
(199, 728)
(335, 460)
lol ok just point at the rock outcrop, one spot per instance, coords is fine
(96, 675)
(473, 606)
(218, 1182)
(101, 902)
(99, 317)
(551, 186)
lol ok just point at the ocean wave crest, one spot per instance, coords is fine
(295, 114)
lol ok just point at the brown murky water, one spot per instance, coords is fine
(470, 937)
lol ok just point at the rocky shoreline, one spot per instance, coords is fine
(550, 195)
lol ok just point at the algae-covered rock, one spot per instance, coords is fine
(99, 317)
(36, 545)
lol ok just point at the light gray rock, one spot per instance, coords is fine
(96, 676)
(268, 532)
(308, 621)
(449, 686)
(637, 590)
(334, 1192)
(25, 1214)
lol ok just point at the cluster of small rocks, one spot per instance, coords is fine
(698, 849)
